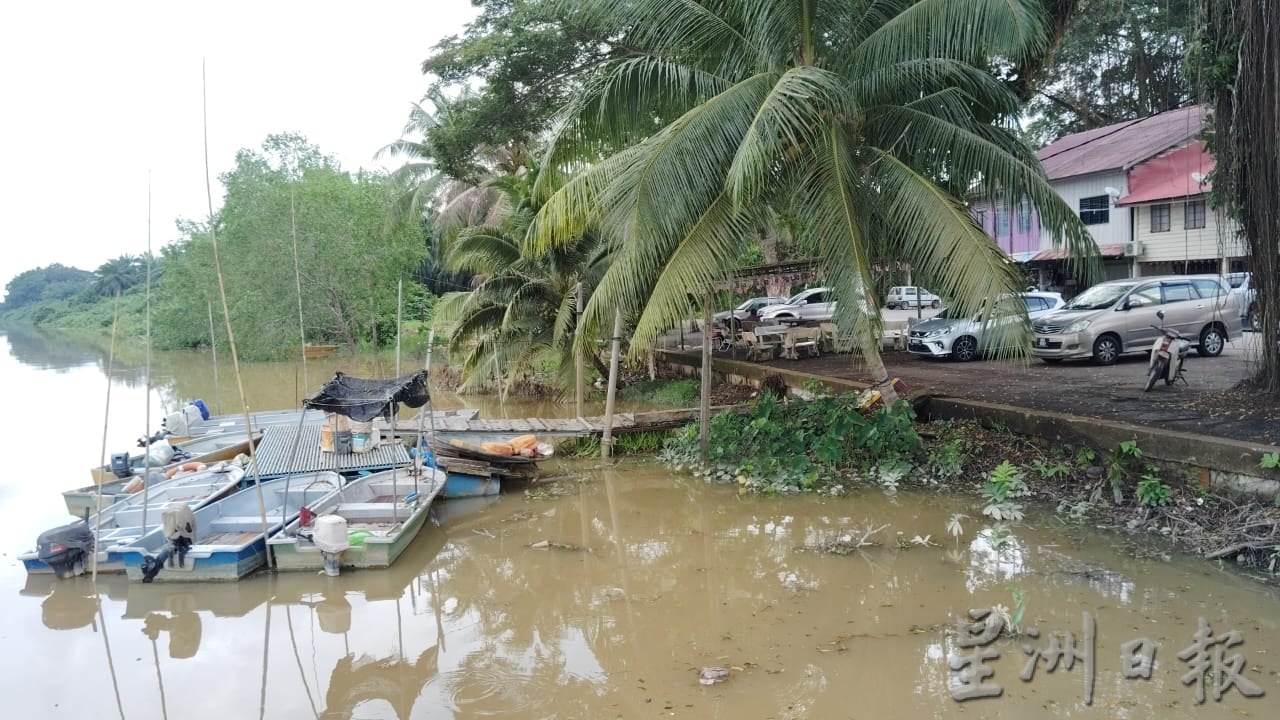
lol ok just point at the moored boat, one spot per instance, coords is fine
(204, 450)
(376, 517)
(226, 540)
(122, 522)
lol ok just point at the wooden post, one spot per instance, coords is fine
(579, 372)
(399, 319)
(704, 406)
(606, 439)
(297, 280)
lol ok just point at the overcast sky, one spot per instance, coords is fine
(96, 94)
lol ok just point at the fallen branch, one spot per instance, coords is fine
(1239, 547)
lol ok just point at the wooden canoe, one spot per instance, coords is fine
(319, 351)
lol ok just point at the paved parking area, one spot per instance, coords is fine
(1082, 388)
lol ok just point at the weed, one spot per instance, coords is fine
(1051, 471)
(662, 393)
(948, 462)
(1151, 491)
(954, 528)
(1123, 462)
(1085, 458)
(1270, 461)
(1004, 483)
(1075, 512)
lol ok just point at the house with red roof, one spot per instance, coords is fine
(1174, 229)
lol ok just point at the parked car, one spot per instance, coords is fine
(909, 297)
(748, 309)
(1118, 317)
(964, 338)
(811, 304)
(1242, 285)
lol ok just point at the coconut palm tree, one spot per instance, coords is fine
(522, 309)
(869, 120)
(118, 274)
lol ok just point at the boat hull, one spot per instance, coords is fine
(110, 562)
(460, 485)
(292, 552)
(103, 475)
(228, 565)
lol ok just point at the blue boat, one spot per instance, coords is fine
(228, 542)
(121, 523)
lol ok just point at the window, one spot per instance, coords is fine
(1095, 210)
(1208, 288)
(1002, 221)
(815, 298)
(1194, 214)
(1149, 293)
(1035, 304)
(1024, 218)
(1160, 218)
(1178, 292)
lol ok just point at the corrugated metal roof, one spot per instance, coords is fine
(1120, 146)
(1170, 175)
(1061, 253)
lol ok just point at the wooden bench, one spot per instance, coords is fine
(757, 348)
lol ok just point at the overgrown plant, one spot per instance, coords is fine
(1152, 492)
(1004, 484)
(801, 446)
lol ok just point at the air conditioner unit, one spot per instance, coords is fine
(1133, 249)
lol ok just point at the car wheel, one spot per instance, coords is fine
(1106, 349)
(934, 305)
(1211, 342)
(891, 306)
(964, 349)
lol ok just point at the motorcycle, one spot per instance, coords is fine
(1167, 356)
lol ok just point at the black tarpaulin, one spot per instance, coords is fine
(363, 400)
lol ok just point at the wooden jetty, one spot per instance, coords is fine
(561, 427)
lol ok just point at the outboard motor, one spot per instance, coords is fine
(332, 540)
(64, 549)
(179, 523)
(121, 466)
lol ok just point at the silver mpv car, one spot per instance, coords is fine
(1118, 317)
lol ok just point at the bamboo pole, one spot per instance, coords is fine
(106, 415)
(704, 404)
(606, 437)
(106, 643)
(399, 319)
(297, 279)
(146, 449)
(226, 315)
(213, 345)
(579, 372)
(431, 343)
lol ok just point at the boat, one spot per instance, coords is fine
(228, 541)
(122, 522)
(318, 351)
(207, 450)
(473, 471)
(380, 516)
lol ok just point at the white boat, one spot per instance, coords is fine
(228, 541)
(381, 515)
(122, 522)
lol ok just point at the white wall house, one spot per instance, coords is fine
(1090, 171)
(1175, 231)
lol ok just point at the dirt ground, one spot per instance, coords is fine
(1210, 402)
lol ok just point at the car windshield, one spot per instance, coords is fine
(1098, 297)
(753, 302)
(796, 298)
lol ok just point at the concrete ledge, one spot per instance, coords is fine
(1222, 463)
(741, 372)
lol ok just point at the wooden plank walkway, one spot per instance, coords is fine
(563, 427)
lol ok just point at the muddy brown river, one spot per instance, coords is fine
(606, 596)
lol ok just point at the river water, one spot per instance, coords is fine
(645, 579)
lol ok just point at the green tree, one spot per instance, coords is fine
(868, 119)
(349, 257)
(520, 317)
(530, 54)
(1118, 60)
(119, 274)
(52, 282)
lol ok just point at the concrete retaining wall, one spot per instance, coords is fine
(1221, 463)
